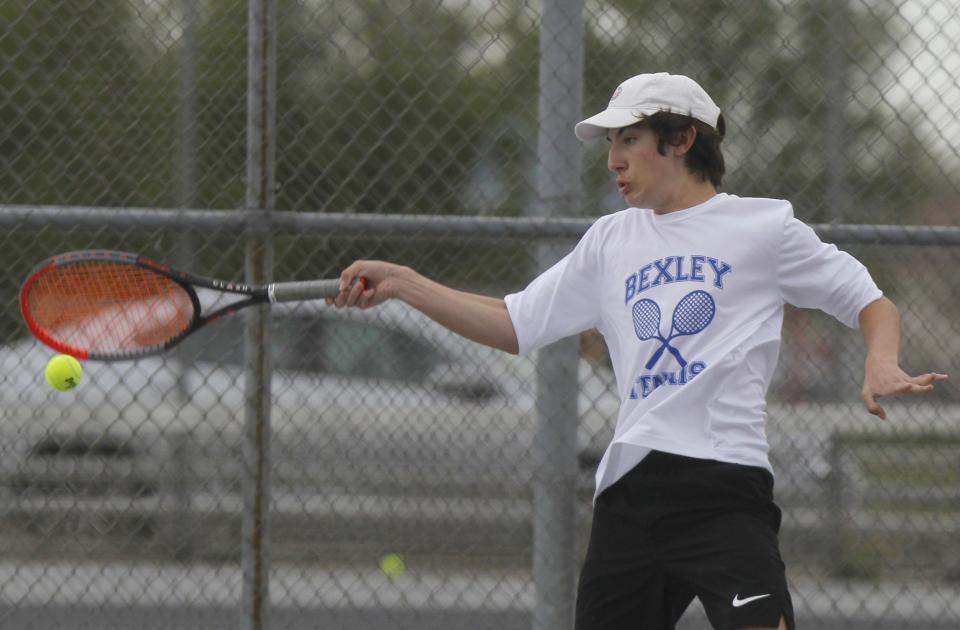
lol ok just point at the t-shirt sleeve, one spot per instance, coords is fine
(562, 301)
(814, 274)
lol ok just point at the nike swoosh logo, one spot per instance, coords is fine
(737, 602)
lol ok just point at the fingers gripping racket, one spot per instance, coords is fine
(111, 306)
(693, 313)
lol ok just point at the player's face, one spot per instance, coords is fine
(642, 174)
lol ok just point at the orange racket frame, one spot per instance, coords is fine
(104, 305)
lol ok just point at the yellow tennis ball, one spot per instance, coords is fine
(63, 372)
(392, 565)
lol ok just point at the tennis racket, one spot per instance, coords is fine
(646, 323)
(104, 305)
(693, 313)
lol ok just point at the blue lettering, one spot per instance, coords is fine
(673, 269)
(644, 281)
(650, 382)
(631, 287)
(680, 275)
(720, 269)
(696, 268)
(662, 271)
(645, 386)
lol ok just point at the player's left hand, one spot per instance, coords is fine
(885, 378)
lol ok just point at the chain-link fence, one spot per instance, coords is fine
(396, 475)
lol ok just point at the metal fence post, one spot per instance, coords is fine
(836, 196)
(187, 116)
(836, 506)
(558, 191)
(180, 527)
(260, 199)
(186, 162)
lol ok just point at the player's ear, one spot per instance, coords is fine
(685, 140)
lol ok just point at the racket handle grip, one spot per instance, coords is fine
(656, 356)
(306, 290)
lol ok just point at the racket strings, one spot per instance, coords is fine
(103, 306)
(646, 319)
(693, 313)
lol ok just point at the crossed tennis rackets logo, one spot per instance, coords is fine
(692, 314)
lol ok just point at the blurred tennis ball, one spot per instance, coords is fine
(63, 372)
(392, 565)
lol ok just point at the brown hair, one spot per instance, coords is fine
(704, 158)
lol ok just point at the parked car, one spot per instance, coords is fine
(377, 414)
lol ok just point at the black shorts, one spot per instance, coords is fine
(675, 528)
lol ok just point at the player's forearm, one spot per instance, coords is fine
(880, 325)
(477, 317)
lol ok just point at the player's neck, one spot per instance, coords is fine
(687, 194)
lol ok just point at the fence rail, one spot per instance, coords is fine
(350, 224)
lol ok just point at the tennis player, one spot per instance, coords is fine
(687, 286)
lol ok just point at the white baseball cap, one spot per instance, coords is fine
(646, 94)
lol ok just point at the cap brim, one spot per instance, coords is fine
(614, 118)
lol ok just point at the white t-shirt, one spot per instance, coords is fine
(690, 304)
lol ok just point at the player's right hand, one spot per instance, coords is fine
(366, 283)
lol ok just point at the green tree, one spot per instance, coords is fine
(84, 122)
(767, 63)
(83, 118)
(378, 114)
